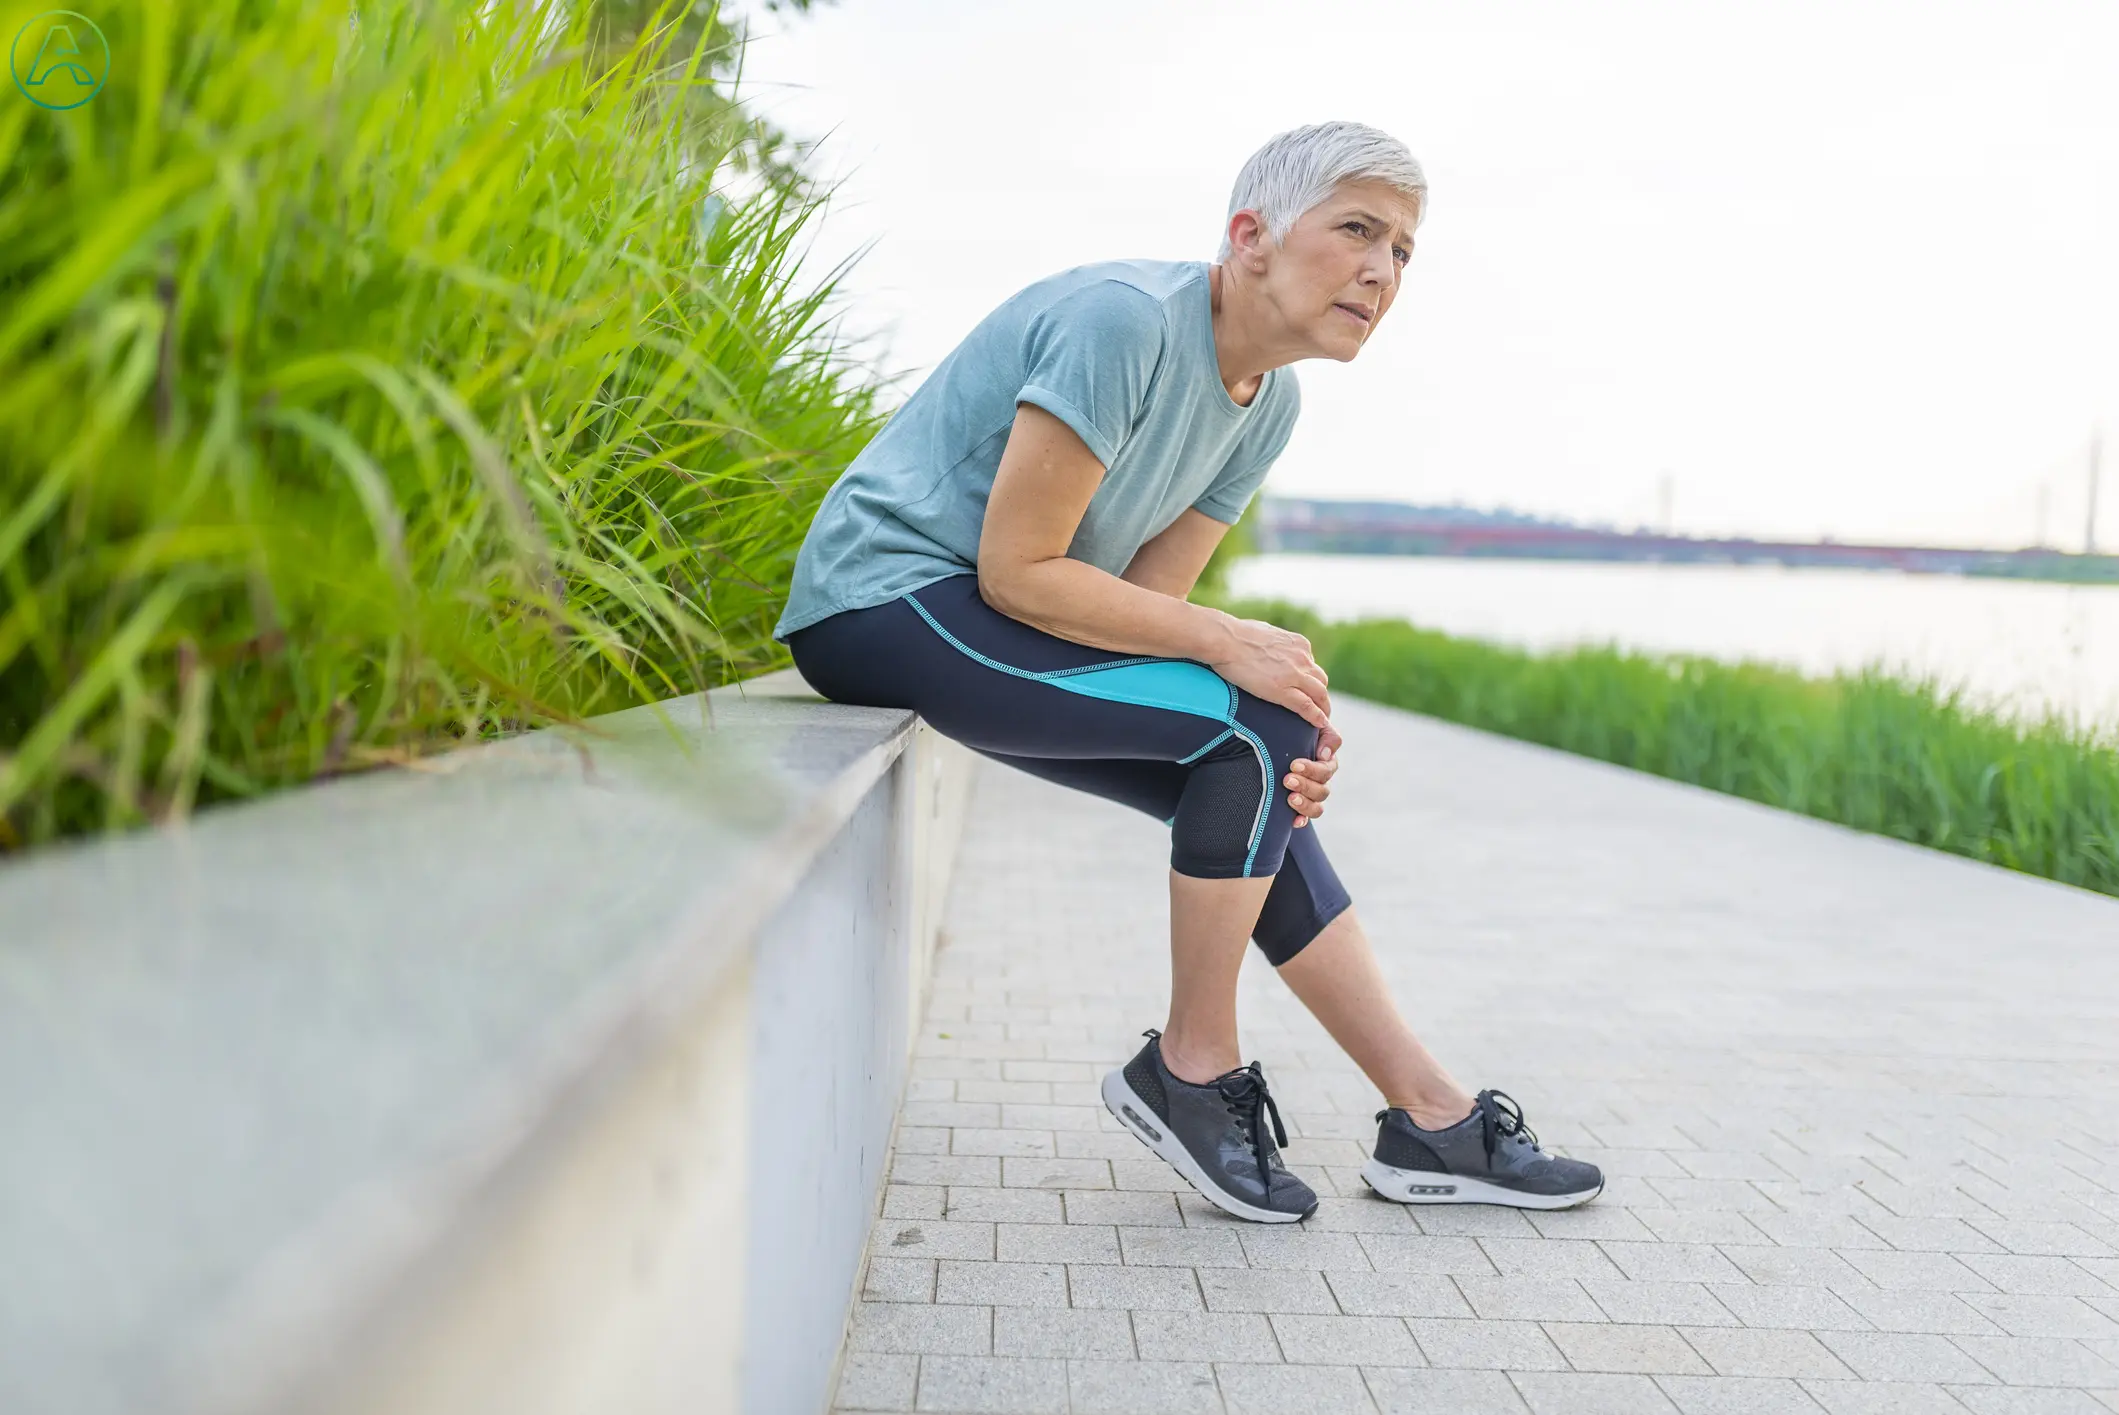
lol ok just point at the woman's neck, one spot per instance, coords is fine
(1246, 385)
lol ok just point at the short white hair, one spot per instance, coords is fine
(1298, 169)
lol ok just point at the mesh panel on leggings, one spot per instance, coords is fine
(1217, 812)
(1140, 1075)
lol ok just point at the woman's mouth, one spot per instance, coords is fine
(1356, 313)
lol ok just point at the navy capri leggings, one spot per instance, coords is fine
(1163, 735)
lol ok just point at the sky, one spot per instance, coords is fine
(1845, 269)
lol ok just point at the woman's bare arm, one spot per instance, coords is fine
(1045, 480)
(1046, 477)
(1172, 562)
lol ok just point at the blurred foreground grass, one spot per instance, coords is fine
(1908, 760)
(381, 375)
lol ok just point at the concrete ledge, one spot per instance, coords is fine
(436, 1089)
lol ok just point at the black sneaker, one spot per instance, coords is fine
(1489, 1157)
(1213, 1134)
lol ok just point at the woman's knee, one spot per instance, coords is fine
(1284, 738)
(1285, 733)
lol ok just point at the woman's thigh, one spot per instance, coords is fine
(1150, 787)
(1008, 689)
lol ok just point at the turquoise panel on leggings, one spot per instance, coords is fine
(1172, 684)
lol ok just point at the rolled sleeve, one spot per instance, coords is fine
(1228, 503)
(1084, 426)
(1091, 361)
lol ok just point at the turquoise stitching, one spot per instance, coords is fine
(1265, 802)
(963, 647)
(1186, 761)
(1114, 663)
(1024, 672)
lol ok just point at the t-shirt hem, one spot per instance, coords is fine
(818, 615)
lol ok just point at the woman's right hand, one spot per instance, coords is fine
(1276, 664)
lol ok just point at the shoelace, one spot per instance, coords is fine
(1246, 1091)
(1500, 1118)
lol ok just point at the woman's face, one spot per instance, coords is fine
(1335, 276)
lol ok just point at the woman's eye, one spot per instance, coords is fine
(1361, 227)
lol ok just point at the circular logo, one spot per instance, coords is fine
(59, 60)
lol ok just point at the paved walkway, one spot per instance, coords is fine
(1858, 1103)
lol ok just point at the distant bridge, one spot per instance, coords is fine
(1308, 527)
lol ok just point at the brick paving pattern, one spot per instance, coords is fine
(1856, 1102)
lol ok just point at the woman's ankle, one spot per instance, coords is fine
(1197, 1064)
(1437, 1112)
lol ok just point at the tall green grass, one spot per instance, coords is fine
(1914, 761)
(375, 376)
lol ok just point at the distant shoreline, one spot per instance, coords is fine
(2061, 569)
(1293, 526)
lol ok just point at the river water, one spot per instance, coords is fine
(2019, 646)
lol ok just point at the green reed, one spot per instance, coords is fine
(1913, 760)
(377, 376)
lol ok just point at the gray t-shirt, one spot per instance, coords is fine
(1122, 351)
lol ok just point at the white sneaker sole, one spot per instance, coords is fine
(1142, 1123)
(1421, 1186)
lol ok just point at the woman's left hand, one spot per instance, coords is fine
(1309, 782)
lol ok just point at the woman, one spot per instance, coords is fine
(1010, 557)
